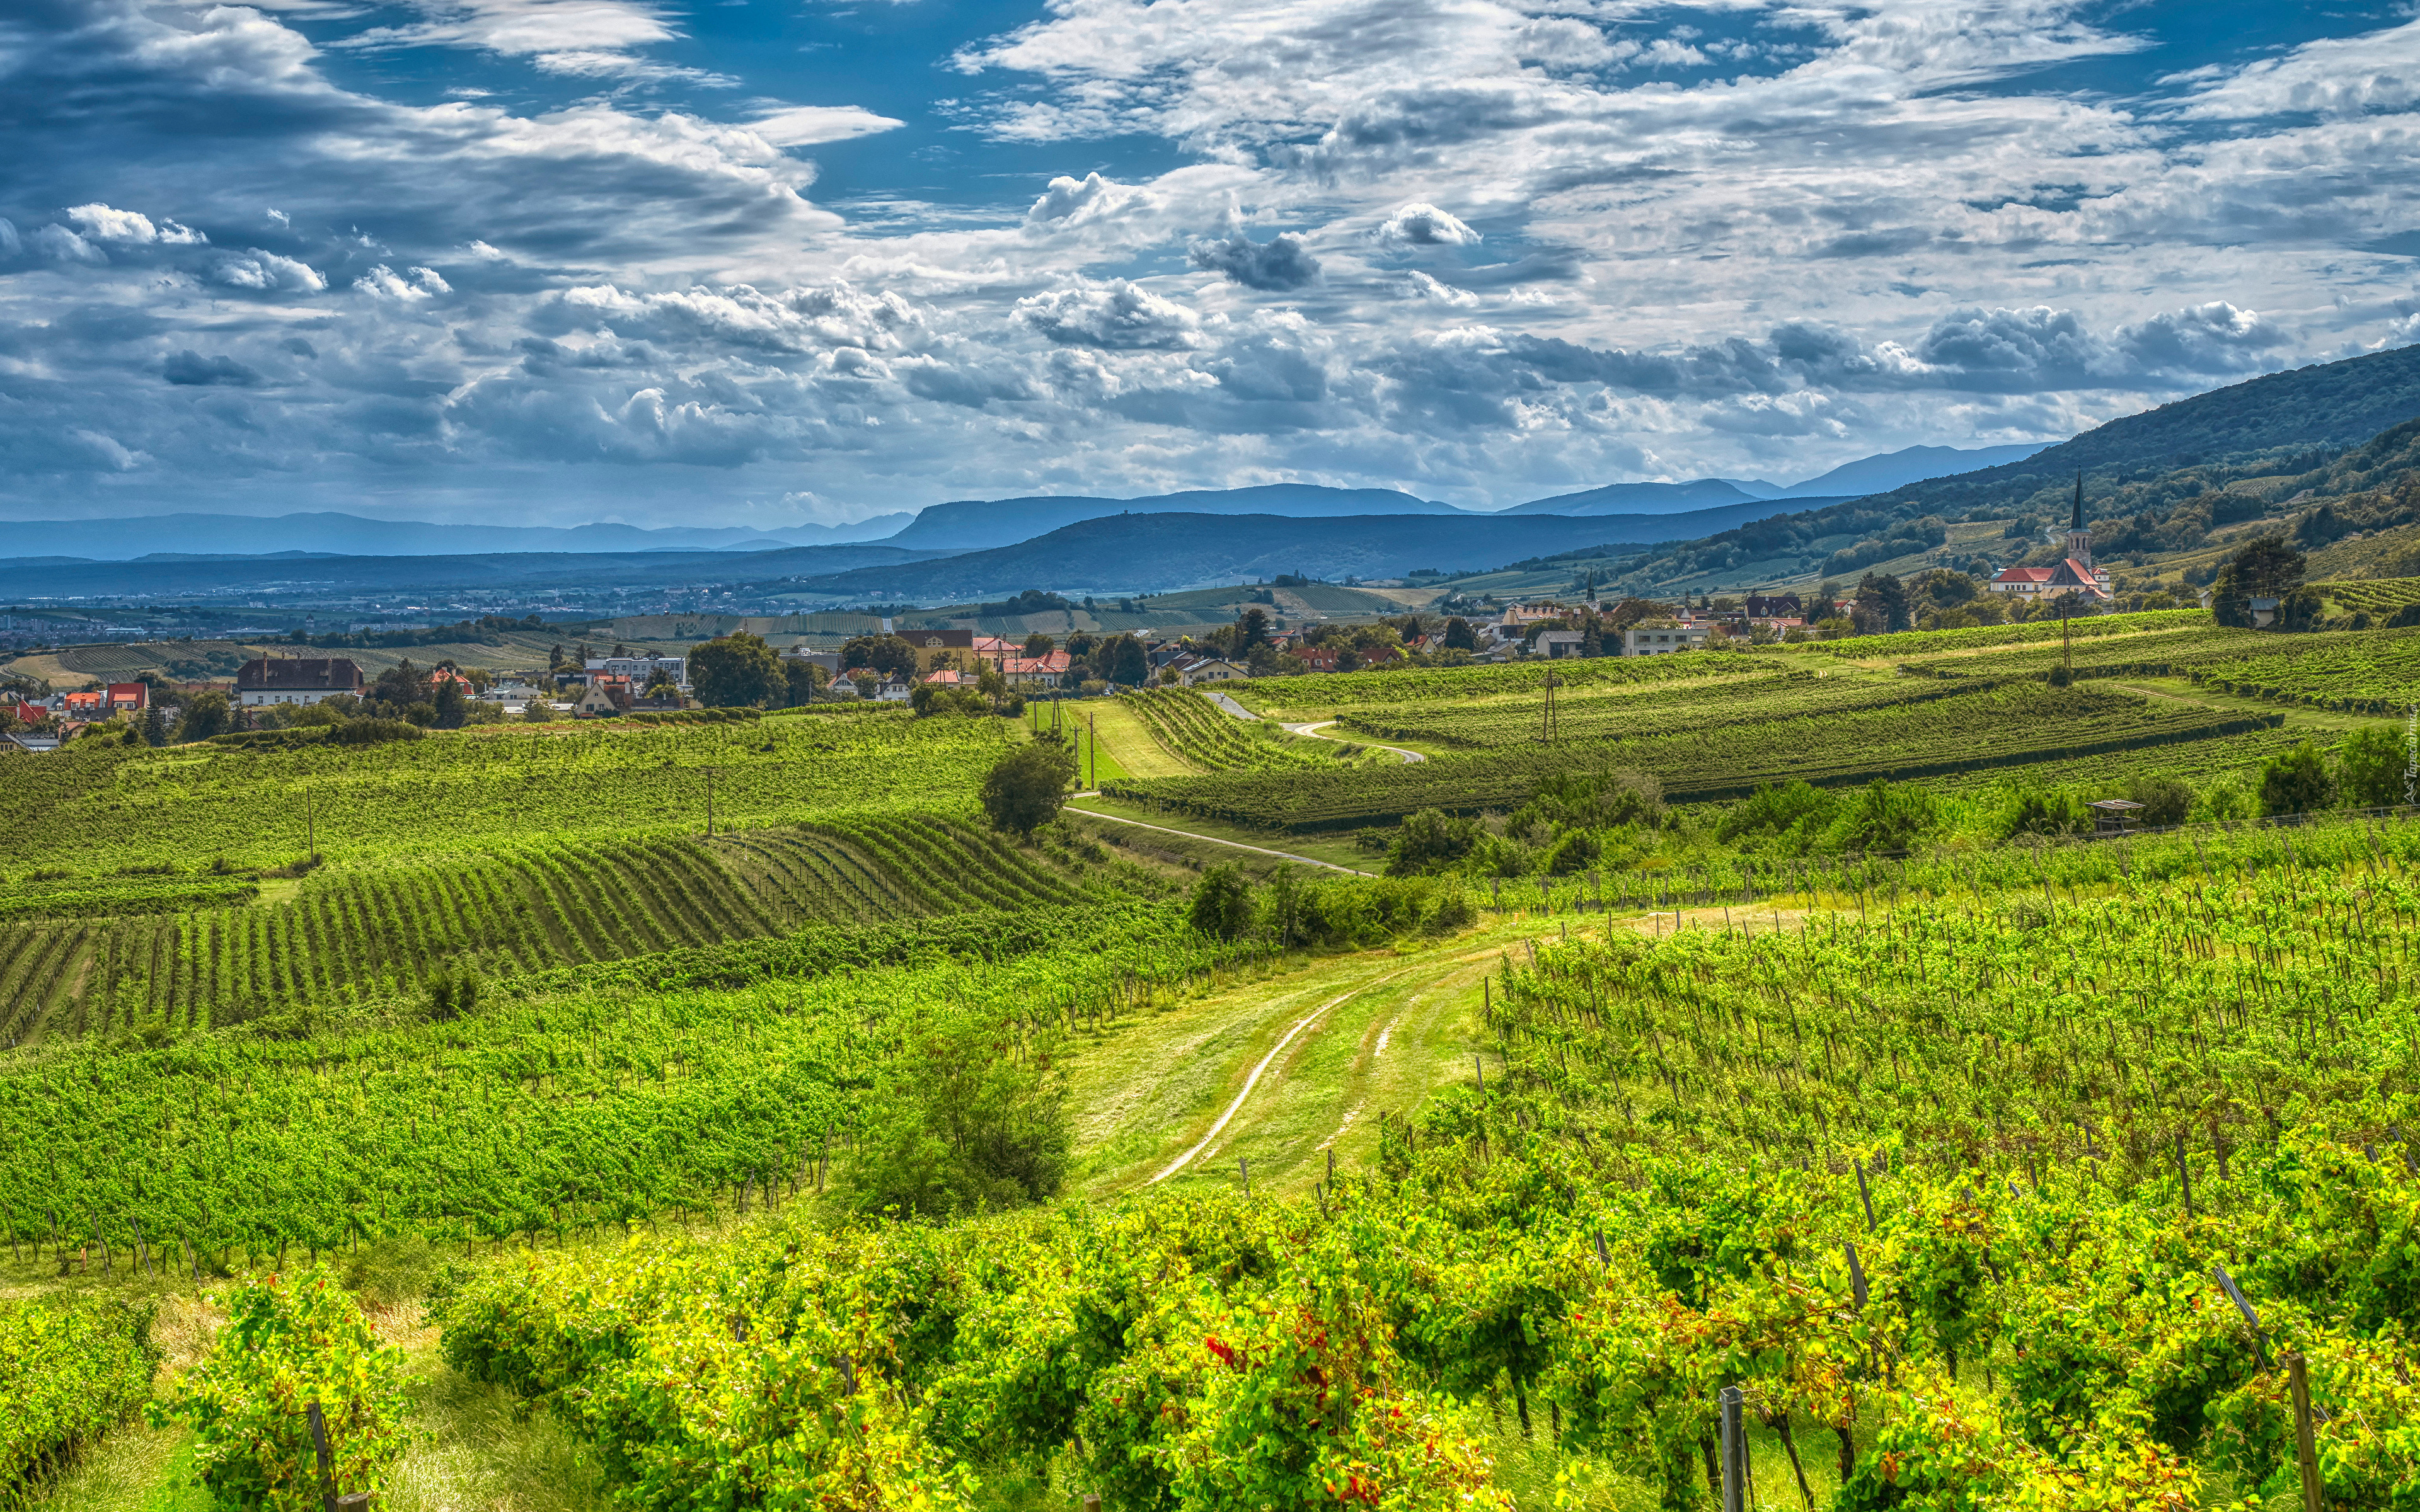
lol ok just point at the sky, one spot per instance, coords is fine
(761, 262)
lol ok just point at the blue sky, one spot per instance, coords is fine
(760, 261)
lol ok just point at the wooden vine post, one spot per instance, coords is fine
(1734, 1452)
(2297, 1377)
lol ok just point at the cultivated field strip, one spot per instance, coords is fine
(1990, 726)
(1213, 740)
(379, 930)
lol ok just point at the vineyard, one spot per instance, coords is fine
(101, 807)
(1990, 637)
(1212, 740)
(1622, 714)
(604, 1094)
(1968, 729)
(1429, 684)
(2047, 1185)
(359, 934)
(2378, 595)
(2378, 673)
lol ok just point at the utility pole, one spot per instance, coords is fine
(1093, 723)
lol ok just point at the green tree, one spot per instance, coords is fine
(1430, 841)
(2374, 767)
(1025, 788)
(2297, 781)
(737, 671)
(2164, 799)
(207, 714)
(451, 707)
(155, 726)
(887, 654)
(1039, 644)
(1459, 636)
(802, 679)
(1223, 903)
(1122, 659)
(2265, 567)
(1251, 629)
(960, 1124)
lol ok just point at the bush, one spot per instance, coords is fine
(1223, 903)
(373, 731)
(1431, 839)
(284, 1348)
(1885, 816)
(69, 1370)
(2043, 811)
(2297, 782)
(2165, 801)
(964, 1124)
(1026, 787)
(2371, 764)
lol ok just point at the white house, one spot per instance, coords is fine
(641, 671)
(1640, 641)
(1212, 671)
(267, 680)
(894, 689)
(1559, 644)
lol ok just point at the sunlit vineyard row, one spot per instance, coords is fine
(98, 807)
(369, 932)
(1993, 726)
(607, 1095)
(1213, 740)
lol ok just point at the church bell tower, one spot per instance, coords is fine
(2079, 539)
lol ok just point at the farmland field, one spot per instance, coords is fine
(838, 1140)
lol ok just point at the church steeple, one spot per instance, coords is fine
(2079, 540)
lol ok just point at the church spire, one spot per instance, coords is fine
(2077, 522)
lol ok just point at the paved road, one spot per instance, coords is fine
(1229, 704)
(1257, 850)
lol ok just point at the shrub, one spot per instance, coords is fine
(373, 731)
(961, 1125)
(2297, 782)
(68, 1371)
(1431, 839)
(1027, 786)
(2042, 811)
(2371, 764)
(1223, 903)
(2165, 801)
(284, 1347)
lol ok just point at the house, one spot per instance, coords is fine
(948, 677)
(1559, 644)
(129, 698)
(1212, 671)
(92, 705)
(638, 671)
(1639, 640)
(440, 676)
(605, 698)
(827, 660)
(894, 689)
(34, 744)
(1775, 606)
(296, 680)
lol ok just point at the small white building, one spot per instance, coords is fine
(894, 689)
(641, 671)
(266, 680)
(1212, 671)
(1640, 641)
(1559, 644)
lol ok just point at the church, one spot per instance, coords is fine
(2073, 573)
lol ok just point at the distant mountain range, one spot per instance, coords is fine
(338, 535)
(978, 524)
(961, 525)
(194, 575)
(1162, 552)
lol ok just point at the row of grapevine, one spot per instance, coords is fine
(2016, 1188)
(365, 932)
(2360, 672)
(1213, 740)
(110, 807)
(1977, 728)
(2380, 596)
(570, 1099)
(70, 1370)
